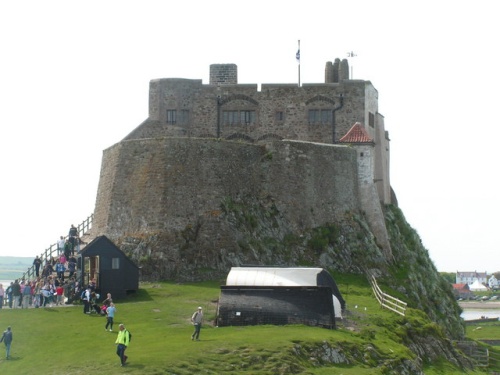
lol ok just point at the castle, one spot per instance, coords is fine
(305, 155)
(322, 113)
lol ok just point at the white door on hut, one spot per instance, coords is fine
(91, 270)
(277, 276)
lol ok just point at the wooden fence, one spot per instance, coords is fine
(386, 300)
(51, 251)
(480, 355)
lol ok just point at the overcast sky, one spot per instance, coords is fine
(75, 75)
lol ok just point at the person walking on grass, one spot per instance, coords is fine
(7, 340)
(197, 319)
(110, 312)
(122, 342)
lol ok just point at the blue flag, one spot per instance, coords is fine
(297, 55)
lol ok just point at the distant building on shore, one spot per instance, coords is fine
(469, 277)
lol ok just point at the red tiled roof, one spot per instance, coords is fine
(460, 286)
(357, 134)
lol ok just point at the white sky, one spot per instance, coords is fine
(74, 80)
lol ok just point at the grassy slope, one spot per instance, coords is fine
(65, 341)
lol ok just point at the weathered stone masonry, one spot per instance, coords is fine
(227, 110)
(151, 185)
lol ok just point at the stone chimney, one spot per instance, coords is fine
(344, 70)
(223, 74)
(335, 72)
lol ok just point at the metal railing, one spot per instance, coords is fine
(387, 301)
(51, 251)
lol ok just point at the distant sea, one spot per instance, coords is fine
(471, 314)
(12, 268)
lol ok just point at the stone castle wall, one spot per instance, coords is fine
(281, 110)
(168, 184)
(188, 108)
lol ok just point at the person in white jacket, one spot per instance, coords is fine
(197, 319)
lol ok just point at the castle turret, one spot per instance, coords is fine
(365, 147)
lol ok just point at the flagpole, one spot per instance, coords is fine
(298, 58)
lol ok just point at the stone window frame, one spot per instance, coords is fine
(371, 119)
(238, 117)
(171, 116)
(320, 110)
(279, 116)
(320, 116)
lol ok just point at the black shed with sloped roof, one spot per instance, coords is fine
(101, 260)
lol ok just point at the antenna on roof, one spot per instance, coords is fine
(297, 56)
(351, 54)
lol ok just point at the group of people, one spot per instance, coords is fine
(46, 290)
(60, 265)
(71, 244)
(41, 292)
(90, 299)
(65, 260)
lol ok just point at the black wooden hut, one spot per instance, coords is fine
(279, 295)
(255, 305)
(113, 272)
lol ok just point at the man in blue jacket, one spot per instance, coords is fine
(7, 340)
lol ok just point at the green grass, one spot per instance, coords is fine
(65, 341)
(484, 331)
